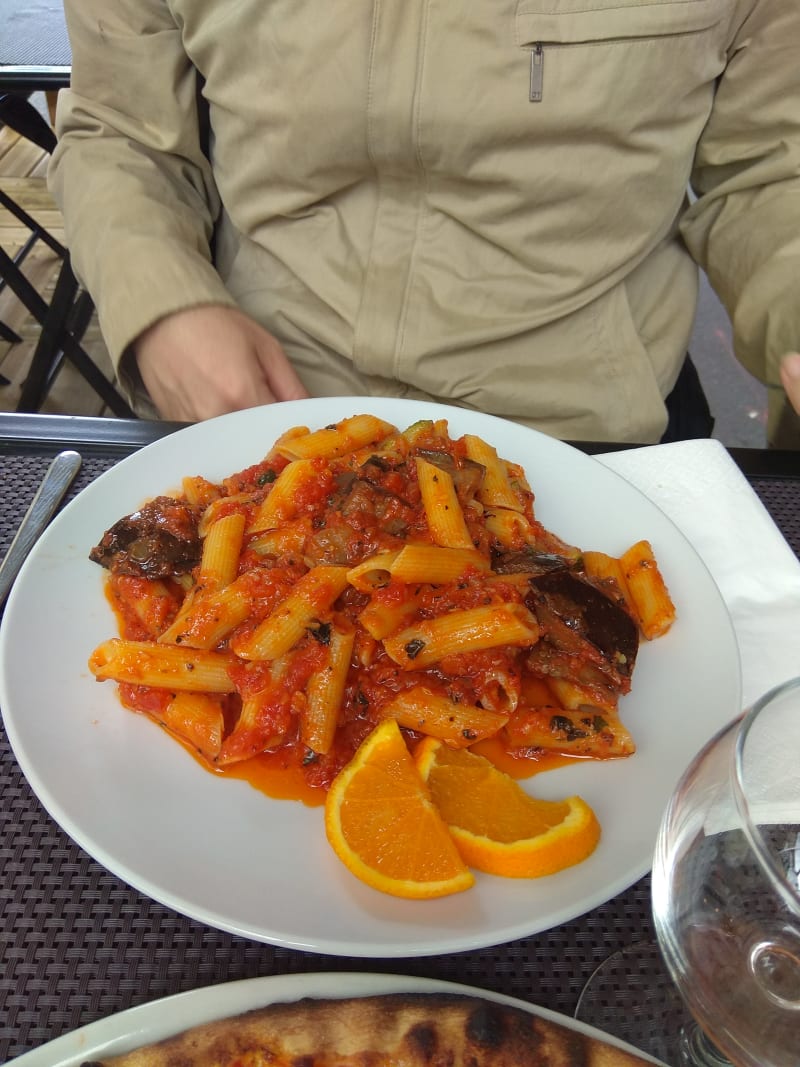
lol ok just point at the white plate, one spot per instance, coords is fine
(223, 853)
(164, 1018)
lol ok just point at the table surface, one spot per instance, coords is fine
(34, 45)
(77, 944)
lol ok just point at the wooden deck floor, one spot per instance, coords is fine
(23, 168)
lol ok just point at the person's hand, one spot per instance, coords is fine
(790, 378)
(210, 360)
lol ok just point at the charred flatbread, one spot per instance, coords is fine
(392, 1030)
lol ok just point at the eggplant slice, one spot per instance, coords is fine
(569, 606)
(161, 540)
(527, 560)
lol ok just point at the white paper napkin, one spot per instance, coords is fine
(701, 489)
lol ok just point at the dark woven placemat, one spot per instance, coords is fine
(77, 944)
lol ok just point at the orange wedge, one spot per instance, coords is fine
(496, 825)
(383, 826)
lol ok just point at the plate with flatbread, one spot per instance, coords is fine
(336, 1020)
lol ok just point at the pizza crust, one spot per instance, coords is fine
(392, 1030)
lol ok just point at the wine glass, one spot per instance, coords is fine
(726, 893)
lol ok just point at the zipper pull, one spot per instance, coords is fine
(537, 73)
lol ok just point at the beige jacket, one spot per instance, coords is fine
(481, 202)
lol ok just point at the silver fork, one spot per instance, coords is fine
(57, 479)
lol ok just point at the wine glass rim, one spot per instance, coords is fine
(790, 893)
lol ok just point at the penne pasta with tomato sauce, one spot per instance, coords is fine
(361, 572)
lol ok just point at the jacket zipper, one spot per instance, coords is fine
(537, 73)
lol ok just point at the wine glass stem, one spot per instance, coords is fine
(698, 1051)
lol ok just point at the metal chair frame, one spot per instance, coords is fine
(64, 320)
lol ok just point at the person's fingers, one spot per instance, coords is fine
(202, 396)
(207, 361)
(280, 376)
(790, 378)
(192, 385)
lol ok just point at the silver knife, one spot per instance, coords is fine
(58, 478)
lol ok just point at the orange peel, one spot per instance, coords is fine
(498, 827)
(382, 824)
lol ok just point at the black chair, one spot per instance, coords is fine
(64, 319)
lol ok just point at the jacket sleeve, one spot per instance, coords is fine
(744, 228)
(136, 191)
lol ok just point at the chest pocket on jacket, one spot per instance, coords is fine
(640, 38)
(574, 21)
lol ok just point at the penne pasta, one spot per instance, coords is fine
(654, 607)
(162, 666)
(374, 572)
(500, 688)
(253, 733)
(607, 568)
(266, 716)
(435, 715)
(574, 697)
(509, 528)
(496, 490)
(313, 595)
(433, 564)
(589, 733)
(442, 510)
(287, 540)
(223, 505)
(384, 615)
(222, 546)
(281, 501)
(475, 629)
(146, 604)
(199, 491)
(325, 692)
(198, 720)
(209, 617)
(346, 436)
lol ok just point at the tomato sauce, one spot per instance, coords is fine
(280, 775)
(515, 765)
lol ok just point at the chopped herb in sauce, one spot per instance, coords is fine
(321, 633)
(562, 725)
